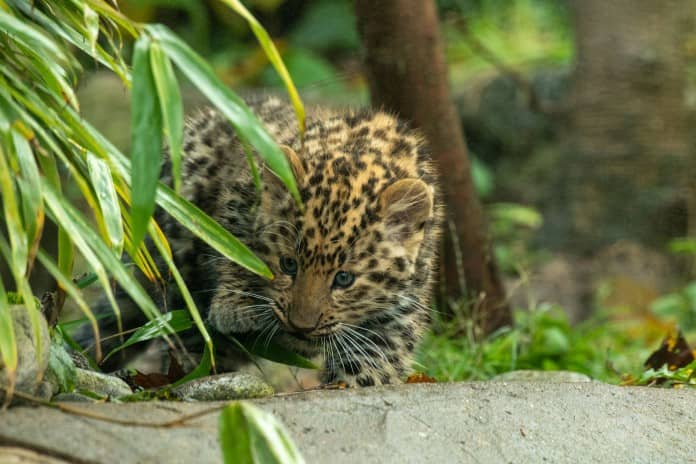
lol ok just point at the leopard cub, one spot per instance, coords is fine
(353, 269)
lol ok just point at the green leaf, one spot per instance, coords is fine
(201, 370)
(103, 185)
(13, 220)
(97, 254)
(146, 132)
(165, 324)
(274, 57)
(249, 435)
(245, 122)
(29, 186)
(171, 107)
(92, 28)
(74, 292)
(35, 39)
(8, 345)
(274, 352)
(185, 294)
(191, 217)
(516, 214)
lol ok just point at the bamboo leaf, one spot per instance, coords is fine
(146, 127)
(245, 122)
(8, 345)
(97, 253)
(191, 217)
(30, 188)
(31, 36)
(171, 107)
(249, 435)
(274, 57)
(73, 290)
(186, 295)
(103, 185)
(92, 28)
(13, 220)
(165, 324)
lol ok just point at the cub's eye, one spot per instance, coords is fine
(343, 279)
(288, 265)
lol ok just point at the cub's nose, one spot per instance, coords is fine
(300, 323)
(300, 329)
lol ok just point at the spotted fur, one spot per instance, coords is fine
(371, 208)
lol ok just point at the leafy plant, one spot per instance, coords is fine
(47, 148)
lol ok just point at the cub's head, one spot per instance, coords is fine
(359, 254)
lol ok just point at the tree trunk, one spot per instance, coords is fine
(629, 156)
(407, 74)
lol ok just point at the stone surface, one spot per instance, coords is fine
(541, 376)
(223, 387)
(101, 384)
(30, 366)
(431, 423)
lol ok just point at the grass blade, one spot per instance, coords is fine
(146, 134)
(171, 107)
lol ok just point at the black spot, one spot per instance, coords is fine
(376, 277)
(353, 368)
(400, 264)
(380, 134)
(365, 381)
(316, 179)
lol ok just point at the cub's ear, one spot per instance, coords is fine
(405, 205)
(295, 163)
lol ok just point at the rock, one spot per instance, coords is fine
(458, 422)
(15, 455)
(223, 387)
(30, 365)
(101, 384)
(541, 376)
(72, 397)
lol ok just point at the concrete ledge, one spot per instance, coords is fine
(487, 422)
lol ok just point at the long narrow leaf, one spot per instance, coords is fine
(171, 108)
(185, 293)
(165, 324)
(30, 188)
(74, 292)
(13, 220)
(213, 233)
(247, 125)
(97, 253)
(146, 134)
(190, 216)
(248, 434)
(274, 57)
(8, 344)
(103, 185)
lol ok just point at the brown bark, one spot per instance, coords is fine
(407, 74)
(629, 147)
